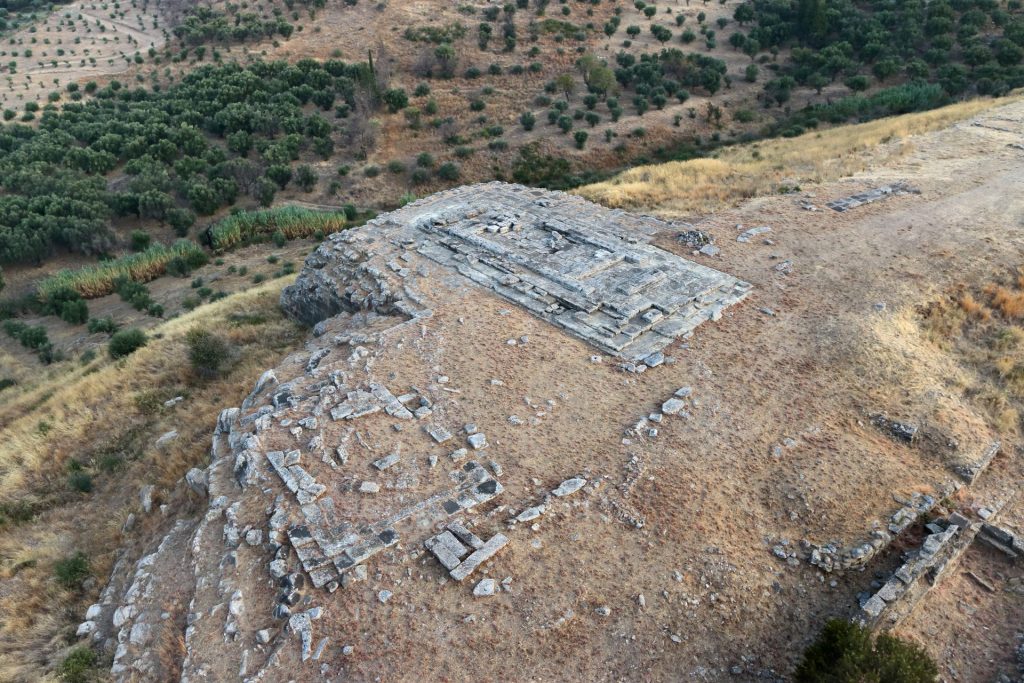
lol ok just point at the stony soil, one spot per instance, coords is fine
(799, 366)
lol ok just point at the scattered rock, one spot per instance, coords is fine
(196, 480)
(485, 588)
(569, 486)
(747, 234)
(146, 498)
(672, 406)
(166, 438)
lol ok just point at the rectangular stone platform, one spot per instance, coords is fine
(580, 266)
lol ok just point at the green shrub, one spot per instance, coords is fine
(80, 481)
(448, 171)
(74, 312)
(72, 571)
(844, 653)
(102, 325)
(78, 666)
(207, 352)
(124, 342)
(140, 240)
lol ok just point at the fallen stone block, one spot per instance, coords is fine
(465, 535)
(489, 549)
(569, 487)
(448, 550)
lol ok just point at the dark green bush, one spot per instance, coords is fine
(124, 342)
(846, 653)
(78, 666)
(448, 171)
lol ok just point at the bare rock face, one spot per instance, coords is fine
(339, 279)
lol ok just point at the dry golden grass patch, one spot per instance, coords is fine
(105, 418)
(981, 327)
(757, 169)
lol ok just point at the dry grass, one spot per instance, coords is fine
(106, 417)
(705, 185)
(980, 327)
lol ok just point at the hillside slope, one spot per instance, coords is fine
(887, 307)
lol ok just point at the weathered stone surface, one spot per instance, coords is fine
(485, 588)
(386, 462)
(672, 406)
(530, 514)
(448, 550)
(196, 480)
(569, 487)
(489, 549)
(870, 196)
(573, 263)
(465, 535)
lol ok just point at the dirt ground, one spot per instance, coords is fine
(712, 492)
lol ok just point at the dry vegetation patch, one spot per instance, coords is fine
(703, 186)
(77, 447)
(982, 326)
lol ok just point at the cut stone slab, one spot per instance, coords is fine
(386, 462)
(369, 487)
(465, 535)
(569, 487)
(439, 434)
(448, 550)
(470, 564)
(478, 441)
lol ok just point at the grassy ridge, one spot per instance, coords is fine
(292, 222)
(100, 279)
(706, 185)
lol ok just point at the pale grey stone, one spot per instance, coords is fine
(485, 588)
(478, 557)
(672, 406)
(530, 514)
(569, 486)
(386, 462)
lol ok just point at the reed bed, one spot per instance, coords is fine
(101, 279)
(293, 222)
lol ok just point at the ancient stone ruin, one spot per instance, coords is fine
(585, 268)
